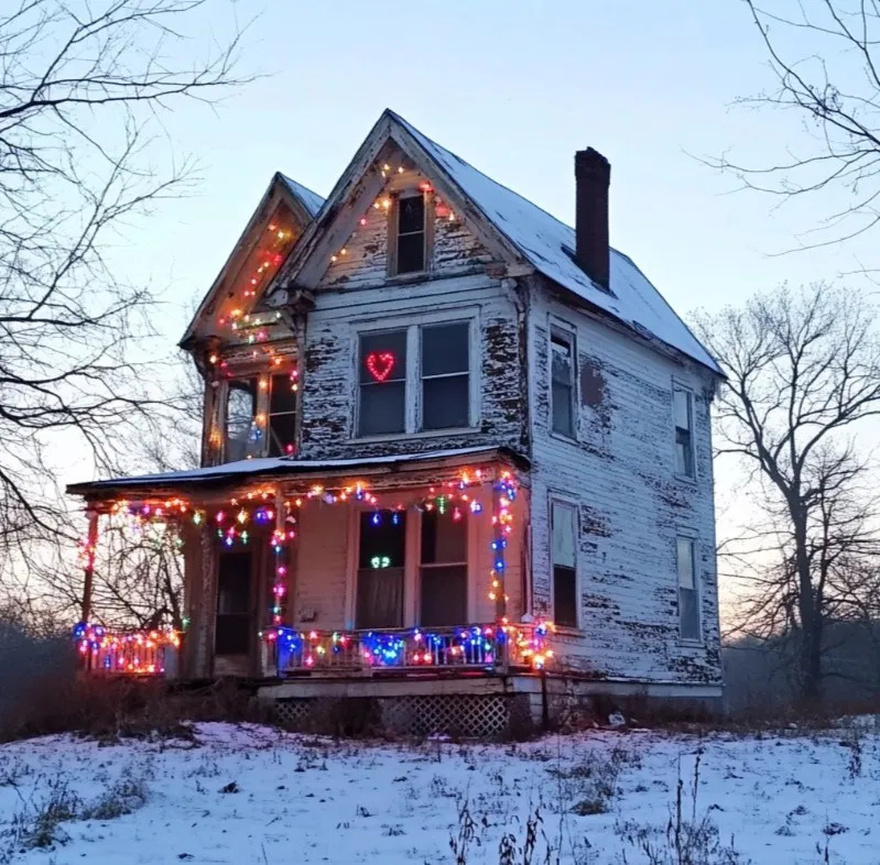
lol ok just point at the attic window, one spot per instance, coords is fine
(410, 236)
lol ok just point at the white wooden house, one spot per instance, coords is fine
(456, 456)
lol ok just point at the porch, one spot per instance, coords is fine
(407, 567)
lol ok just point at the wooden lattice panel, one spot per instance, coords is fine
(479, 715)
(294, 714)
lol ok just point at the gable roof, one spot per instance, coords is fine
(310, 200)
(546, 243)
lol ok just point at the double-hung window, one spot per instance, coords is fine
(242, 432)
(688, 591)
(434, 393)
(445, 376)
(410, 249)
(282, 414)
(562, 382)
(443, 570)
(382, 407)
(563, 522)
(683, 414)
(381, 558)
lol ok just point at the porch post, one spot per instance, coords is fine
(89, 549)
(499, 589)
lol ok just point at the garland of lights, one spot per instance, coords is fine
(137, 653)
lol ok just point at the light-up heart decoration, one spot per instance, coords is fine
(380, 364)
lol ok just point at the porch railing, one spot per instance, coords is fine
(131, 653)
(470, 646)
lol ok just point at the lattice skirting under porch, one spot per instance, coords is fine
(485, 716)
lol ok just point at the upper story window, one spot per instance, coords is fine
(241, 418)
(410, 246)
(683, 414)
(562, 382)
(433, 393)
(688, 592)
(445, 376)
(382, 383)
(282, 414)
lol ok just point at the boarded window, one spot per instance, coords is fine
(443, 572)
(445, 376)
(282, 414)
(242, 433)
(382, 377)
(562, 382)
(563, 533)
(682, 409)
(411, 234)
(233, 627)
(688, 592)
(381, 554)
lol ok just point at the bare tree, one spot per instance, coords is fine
(825, 59)
(803, 372)
(82, 87)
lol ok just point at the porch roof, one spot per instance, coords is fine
(289, 467)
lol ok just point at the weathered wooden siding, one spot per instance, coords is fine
(631, 504)
(330, 370)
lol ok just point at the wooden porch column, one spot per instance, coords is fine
(498, 584)
(89, 549)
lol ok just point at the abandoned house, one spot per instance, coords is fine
(456, 458)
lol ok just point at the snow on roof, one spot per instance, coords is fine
(311, 200)
(547, 243)
(277, 466)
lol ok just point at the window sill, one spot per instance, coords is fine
(686, 479)
(563, 437)
(423, 434)
(415, 276)
(568, 631)
(691, 644)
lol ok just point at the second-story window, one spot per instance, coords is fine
(282, 414)
(683, 413)
(410, 251)
(445, 376)
(688, 593)
(382, 383)
(562, 382)
(241, 412)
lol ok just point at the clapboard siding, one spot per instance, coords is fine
(631, 504)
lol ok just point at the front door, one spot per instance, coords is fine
(234, 628)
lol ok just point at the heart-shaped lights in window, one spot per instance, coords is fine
(379, 364)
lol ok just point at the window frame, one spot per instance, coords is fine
(566, 502)
(413, 411)
(679, 386)
(421, 566)
(270, 376)
(563, 331)
(393, 234)
(359, 385)
(225, 392)
(693, 542)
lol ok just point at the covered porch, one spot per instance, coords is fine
(409, 566)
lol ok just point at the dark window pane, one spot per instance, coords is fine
(233, 625)
(411, 214)
(689, 614)
(564, 596)
(444, 596)
(561, 362)
(380, 598)
(445, 349)
(445, 402)
(684, 453)
(241, 403)
(383, 357)
(382, 408)
(444, 536)
(681, 408)
(382, 539)
(563, 415)
(411, 253)
(282, 433)
(282, 395)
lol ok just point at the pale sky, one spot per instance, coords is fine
(515, 88)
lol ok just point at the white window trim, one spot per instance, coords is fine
(413, 381)
(572, 502)
(392, 234)
(678, 384)
(560, 328)
(694, 540)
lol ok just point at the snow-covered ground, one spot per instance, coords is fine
(294, 799)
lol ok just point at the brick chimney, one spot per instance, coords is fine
(592, 172)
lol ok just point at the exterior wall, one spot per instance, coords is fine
(631, 505)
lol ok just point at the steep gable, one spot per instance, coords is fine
(233, 310)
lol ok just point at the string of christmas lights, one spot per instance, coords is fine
(136, 653)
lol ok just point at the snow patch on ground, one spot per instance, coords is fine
(304, 799)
